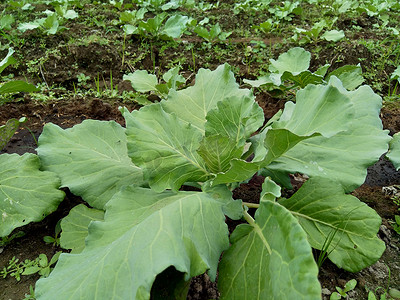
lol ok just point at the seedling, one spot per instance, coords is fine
(56, 239)
(342, 293)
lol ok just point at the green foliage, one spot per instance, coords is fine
(8, 130)
(290, 71)
(214, 34)
(209, 135)
(144, 82)
(40, 265)
(5, 240)
(55, 240)
(14, 86)
(341, 293)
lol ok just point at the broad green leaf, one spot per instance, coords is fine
(130, 29)
(303, 79)
(295, 61)
(28, 26)
(70, 14)
(26, 194)
(345, 156)
(90, 158)
(270, 190)
(16, 86)
(192, 104)
(8, 60)
(51, 24)
(6, 21)
(143, 234)
(259, 81)
(142, 81)
(217, 151)
(394, 151)
(164, 147)
(231, 208)
(236, 118)
(319, 108)
(333, 35)
(276, 142)
(350, 76)
(396, 74)
(75, 227)
(322, 208)
(175, 26)
(269, 259)
(8, 130)
(173, 79)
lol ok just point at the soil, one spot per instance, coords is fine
(96, 57)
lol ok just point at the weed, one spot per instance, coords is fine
(342, 293)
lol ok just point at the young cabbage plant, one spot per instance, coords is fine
(290, 71)
(13, 86)
(140, 223)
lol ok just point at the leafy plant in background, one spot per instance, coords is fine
(53, 22)
(144, 82)
(13, 86)
(156, 28)
(39, 265)
(290, 71)
(303, 36)
(132, 18)
(214, 34)
(141, 225)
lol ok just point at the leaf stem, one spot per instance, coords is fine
(249, 219)
(251, 205)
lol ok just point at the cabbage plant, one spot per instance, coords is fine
(139, 224)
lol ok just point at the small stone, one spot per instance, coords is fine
(326, 292)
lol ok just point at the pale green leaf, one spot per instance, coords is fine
(394, 151)
(175, 26)
(70, 14)
(345, 156)
(276, 142)
(28, 26)
(142, 81)
(8, 60)
(217, 151)
(350, 76)
(16, 86)
(192, 104)
(295, 61)
(323, 209)
(236, 118)
(270, 190)
(333, 35)
(396, 74)
(75, 227)
(26, 194)
(303, 79)
(319, 108)
(8, 130)
(138, 240)
(269, 259)
(165, 147)
(90, 158)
